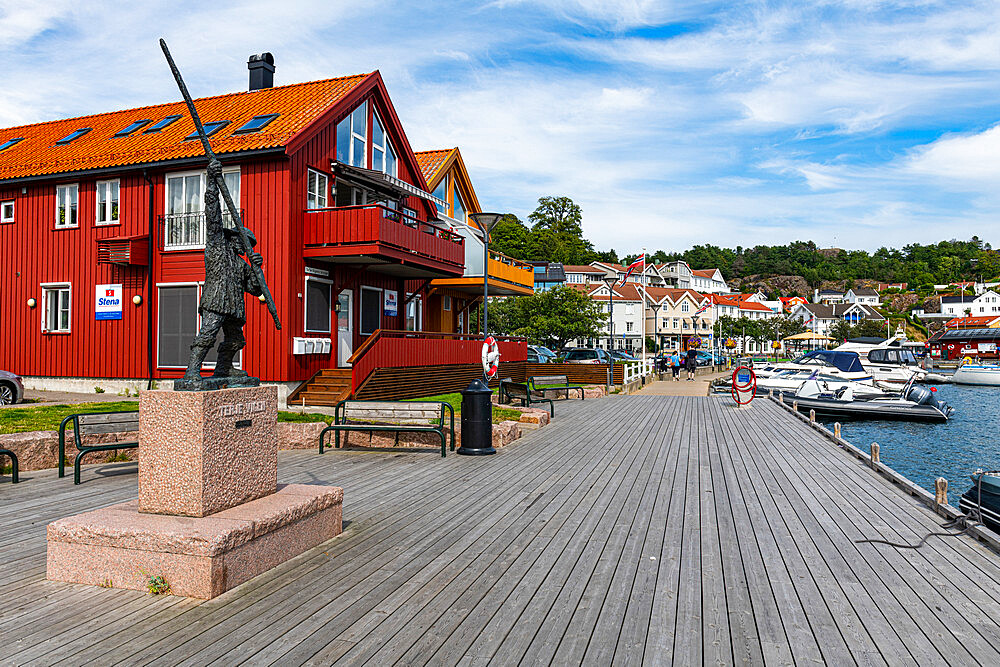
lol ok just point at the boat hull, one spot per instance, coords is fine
(987, 376)
(870, 410)
(990, 509)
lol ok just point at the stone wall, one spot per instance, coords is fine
(37, 450)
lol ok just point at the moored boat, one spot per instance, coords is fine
(917, 403)
(974, 373)
(984, 496)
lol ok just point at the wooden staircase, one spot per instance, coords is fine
(328, 387)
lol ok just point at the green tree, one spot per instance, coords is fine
(553, 317)
(841, 330)
(557, 214)
(511, 237)
(870, 328)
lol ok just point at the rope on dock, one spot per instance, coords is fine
(969, 520)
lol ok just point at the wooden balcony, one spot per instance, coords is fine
(507, 277)
(376, 235)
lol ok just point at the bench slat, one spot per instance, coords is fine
(392, 405)
(390, 414)
(88, 419)
(120, 427)
(550, 379)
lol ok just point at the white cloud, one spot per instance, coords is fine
(967, 161)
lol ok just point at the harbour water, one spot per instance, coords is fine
(954, 450)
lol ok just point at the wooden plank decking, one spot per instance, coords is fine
(633, 530)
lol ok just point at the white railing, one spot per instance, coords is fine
(635, 370)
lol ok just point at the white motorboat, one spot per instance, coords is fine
(886, 360)
(916, 403)
(842, 365)
(790, 381)
(971, 372)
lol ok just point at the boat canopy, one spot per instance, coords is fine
(849, 362)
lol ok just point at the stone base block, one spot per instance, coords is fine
(206, 451)
(120, 547)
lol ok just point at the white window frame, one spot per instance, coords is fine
(384, 148)
(354, 134)
(318, 195)
(237, 361)
(361, 313)
(107, 205)
(305, 306)
(445, 302)
(199, 240)
(62, 197)
(417, 303)
(6, 218)
(57, 288)
(685, 307)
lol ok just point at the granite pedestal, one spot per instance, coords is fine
(210, 514)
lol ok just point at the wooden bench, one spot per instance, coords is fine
(561, 380)
(520, 391)
(13, 464)
(93, 423)
(397, 416)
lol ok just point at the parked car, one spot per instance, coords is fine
(622, 355)
(539, 354)
(585, 355)
(11, 388)
(541, 349)
(708, 358)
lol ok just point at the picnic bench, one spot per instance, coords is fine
(13, 464)
(520, 391)
(396, 416)
(93, 423)
(561, 380)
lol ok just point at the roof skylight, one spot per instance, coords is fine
(255, 124)
(10, 142)
(133, 127)
(161, 124)
(75, 134)
(210, 129)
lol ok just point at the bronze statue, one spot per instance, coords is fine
(227, 276)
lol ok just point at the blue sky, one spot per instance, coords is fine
(854, 123)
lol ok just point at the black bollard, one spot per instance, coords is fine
(477, 420)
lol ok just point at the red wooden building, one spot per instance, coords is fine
(102, 230)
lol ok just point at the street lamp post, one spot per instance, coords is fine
(486, 222)
(610, 282)
(655, 307)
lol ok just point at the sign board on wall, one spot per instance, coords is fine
(987, 347)
(391, 308)
(108, 301)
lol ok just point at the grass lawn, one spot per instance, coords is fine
(48, 418)
(455, 401)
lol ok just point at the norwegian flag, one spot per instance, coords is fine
(637, 264)
(701, 310)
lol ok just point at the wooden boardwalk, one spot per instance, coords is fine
(633, 530)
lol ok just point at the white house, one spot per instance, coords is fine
(820, 317)
(706, 281)
(987, 303)
(864, 295)
(627, 317)
(583, 274)
(675, 315)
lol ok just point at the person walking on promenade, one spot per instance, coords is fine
(675, 365)
(692, 363)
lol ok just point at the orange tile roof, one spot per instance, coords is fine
(430, 161)
(298, 105)
(704, 273)
(971, 322)
(581, 268)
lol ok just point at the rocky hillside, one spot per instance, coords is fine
(785, 285)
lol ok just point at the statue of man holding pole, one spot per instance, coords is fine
(228, 277)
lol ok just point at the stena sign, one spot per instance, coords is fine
(391, 306)
(108, 302)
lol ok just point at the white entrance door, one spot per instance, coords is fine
(345, 327)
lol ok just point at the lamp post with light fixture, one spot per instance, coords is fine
(610, 282)
(486, 222)
(477, 408)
